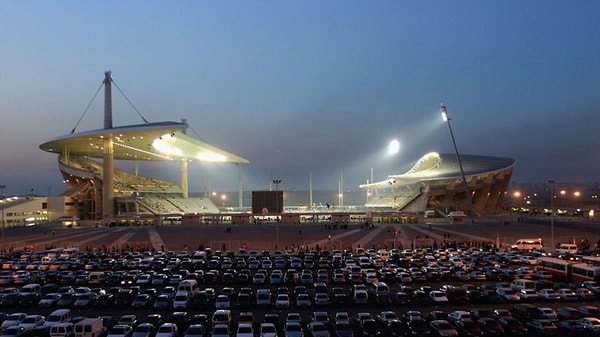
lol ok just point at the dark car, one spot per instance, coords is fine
(124, 298)
(490, 326)
(395, 328)
(571, 327)
(468, 328)
(105, 301)
(155, 319)
(369, 328)
(162, 302)
(442, 327)
(142, 301)
(491, 296)
(181, 319)
(30, 299)
(10, 300)
(512, 326)
(542, 327)
(418, 327)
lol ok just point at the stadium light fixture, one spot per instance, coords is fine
(446, 119)
(394, 147)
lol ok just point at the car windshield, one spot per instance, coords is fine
(195, 331)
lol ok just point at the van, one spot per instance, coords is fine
(58, 316)
(522, 284)
(90, 327)
(528, 244)
(97, 277)
(62, 330)
(567, 248)
(191, 286)
(379, 288)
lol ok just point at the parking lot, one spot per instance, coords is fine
(320, 273)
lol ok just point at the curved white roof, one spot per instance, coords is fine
(152, 141)
(444, 166)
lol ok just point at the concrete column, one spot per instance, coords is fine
(108, 200)
(184, 178)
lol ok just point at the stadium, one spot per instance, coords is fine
(435, 184)
(99, 192)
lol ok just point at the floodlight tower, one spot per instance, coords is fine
(2, 187)
(446, 119)
(277, 182)
(551, 186)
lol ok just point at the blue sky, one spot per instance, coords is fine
(300, 86)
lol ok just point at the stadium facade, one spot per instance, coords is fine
(435, 183)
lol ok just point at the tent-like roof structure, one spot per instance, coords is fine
(161, 141)
(444, 166)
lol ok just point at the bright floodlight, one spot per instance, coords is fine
(444, 112)
(394, 147)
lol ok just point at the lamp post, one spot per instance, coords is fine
(446, 118)
(2, 187)
(277, 182)
(551, 183)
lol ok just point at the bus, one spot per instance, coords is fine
(569, 271)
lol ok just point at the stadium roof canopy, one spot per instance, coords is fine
(444, 166)
(160, 141)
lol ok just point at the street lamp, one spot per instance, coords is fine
(2, 187)
(277, 182)
(446, 119)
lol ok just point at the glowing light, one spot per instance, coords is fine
(208, 156)
(394, 147)
(162, 147)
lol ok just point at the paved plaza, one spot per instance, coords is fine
(501, 231)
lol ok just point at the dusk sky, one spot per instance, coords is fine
(307, 86)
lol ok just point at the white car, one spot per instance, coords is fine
(439, 297)
(222, 302)
(567, 294)
(529, 260)
(267, 330)
(244, 330)
(167, 330)
(120, 330)
(13, 320)
(282, 301)
(528, 295)
(458, 315)
(508, 294)
(32, 321)
(548, 294)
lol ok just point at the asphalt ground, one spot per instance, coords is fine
(258, 237)
(501, 231)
